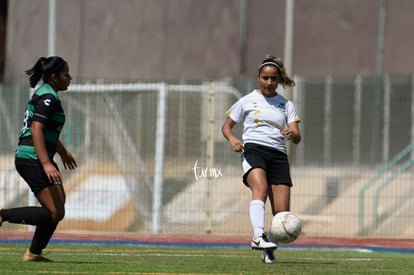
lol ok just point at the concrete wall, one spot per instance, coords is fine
(189, 39)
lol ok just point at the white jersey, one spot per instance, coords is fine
(264, 118)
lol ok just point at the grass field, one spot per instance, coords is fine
(132, 259)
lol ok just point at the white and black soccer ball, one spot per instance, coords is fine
(285, 227)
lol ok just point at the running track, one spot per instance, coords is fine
(374, 244)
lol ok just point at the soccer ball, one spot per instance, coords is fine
(285, 227)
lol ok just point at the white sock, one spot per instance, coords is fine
(257, 217)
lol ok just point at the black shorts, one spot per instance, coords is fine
(34, 176)
(274, 162)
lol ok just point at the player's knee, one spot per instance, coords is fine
(58, 216)
(259, 192)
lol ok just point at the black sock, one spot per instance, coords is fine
(42, 237)
(32, 215)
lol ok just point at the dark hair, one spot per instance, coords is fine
(270, 60)
(44, 68)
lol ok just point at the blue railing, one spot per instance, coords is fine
(375, 179)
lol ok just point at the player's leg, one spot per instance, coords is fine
(278, 193)
(279, 197)
(32, 215)
(256, 180)
(52, 210)
(52, 198)
(40, 239)
(37, 180)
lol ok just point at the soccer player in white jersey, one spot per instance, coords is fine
(269, 120)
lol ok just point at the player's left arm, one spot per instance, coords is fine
(67, 158)
(292, 132)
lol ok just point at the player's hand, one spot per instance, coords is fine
(237, 145)
(52, 173)
(288, 134)
(68, 160)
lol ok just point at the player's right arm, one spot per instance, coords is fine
(40, 147)
(228, 125)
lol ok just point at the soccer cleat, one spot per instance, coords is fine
(268, 256)
(262, 243)
(30, 257)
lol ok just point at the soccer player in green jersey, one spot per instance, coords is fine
(38, 143)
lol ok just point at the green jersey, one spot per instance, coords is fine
(46, 108)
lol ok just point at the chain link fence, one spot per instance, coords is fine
(152, 158)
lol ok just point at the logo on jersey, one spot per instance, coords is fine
(47, 102)
(282, 106)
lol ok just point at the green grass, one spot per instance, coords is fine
(128, 259)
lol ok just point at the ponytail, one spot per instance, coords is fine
(44, 68)
(35, 73)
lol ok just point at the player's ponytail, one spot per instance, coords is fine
(35, 73)
(44, 68)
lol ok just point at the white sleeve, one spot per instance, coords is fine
(236, 112)
(292, 116)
